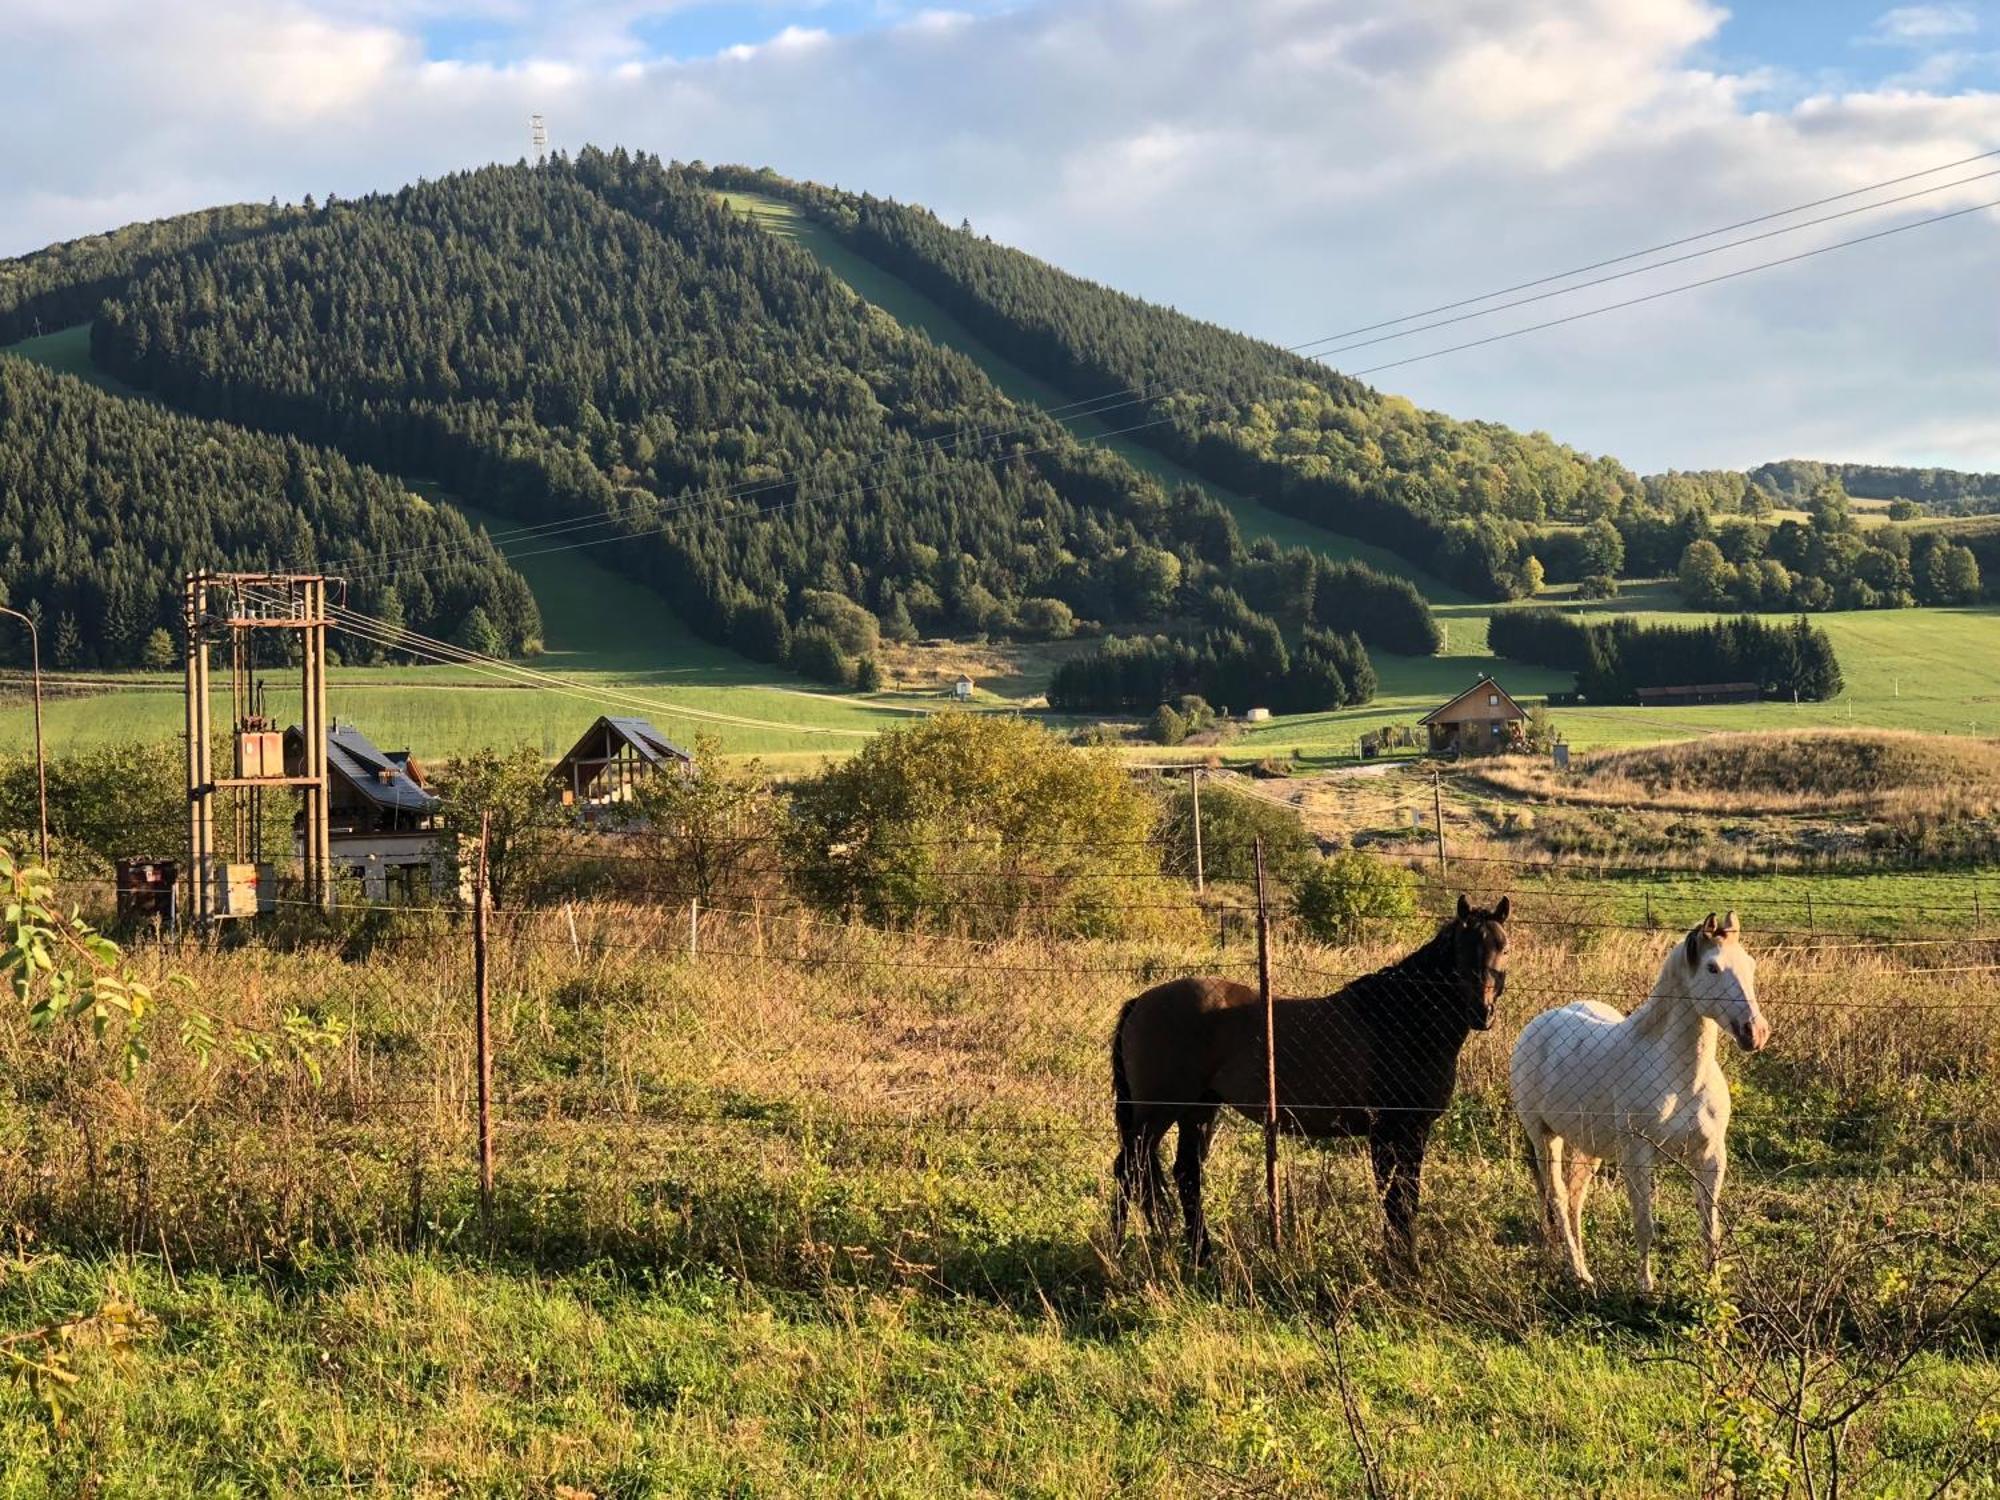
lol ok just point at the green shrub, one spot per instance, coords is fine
(1231, 824)
(980, 819)
(1337, 897)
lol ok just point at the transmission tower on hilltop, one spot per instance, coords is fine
(538, 139)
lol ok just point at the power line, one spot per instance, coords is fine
(1598, 265)
(1094, 406)
(1686, 286)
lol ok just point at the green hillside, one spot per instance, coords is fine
(913, 309)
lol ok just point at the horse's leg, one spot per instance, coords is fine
(1126, 1169)
(1397, 1152)
(1197, 1127)
(1708, 1174)
(1636, 1164)
(1548, 1147)
(1152, 1177)
(1576, 1188)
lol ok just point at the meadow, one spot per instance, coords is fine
(822, 1211)
(626, 651)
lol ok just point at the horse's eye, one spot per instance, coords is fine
(1714, 967)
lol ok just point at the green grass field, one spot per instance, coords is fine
(1930, 669)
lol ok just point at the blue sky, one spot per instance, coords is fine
(1287, 167)
(1810, 44)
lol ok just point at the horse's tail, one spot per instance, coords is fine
(1121, 1087)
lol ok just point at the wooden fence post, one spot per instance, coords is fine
(1194, 792)
(1437, 814)
(1270, 1049)
(483, 1029)
(694, 925)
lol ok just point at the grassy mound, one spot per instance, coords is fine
(1882, 772)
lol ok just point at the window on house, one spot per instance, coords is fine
(1492, 700)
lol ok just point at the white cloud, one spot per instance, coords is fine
(1926, 23)
(1288, 166)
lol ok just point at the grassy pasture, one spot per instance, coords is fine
(1927, 670)
(823, 1213)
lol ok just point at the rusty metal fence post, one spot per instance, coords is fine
(1270, 1049)
(482, 1023)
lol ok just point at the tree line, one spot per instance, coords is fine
(603, 340)
(1827, 561)
(1238, 659)
(1614, 658)
(105, 502)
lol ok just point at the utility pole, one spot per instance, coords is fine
(41, 764)
(253, 602)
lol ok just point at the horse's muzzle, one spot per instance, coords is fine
(1751, 1035)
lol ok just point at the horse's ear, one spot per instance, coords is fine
(1729, 925)
(1708, 924)
(1506, 905)
(1464, 907)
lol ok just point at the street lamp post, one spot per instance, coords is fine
(41, 765)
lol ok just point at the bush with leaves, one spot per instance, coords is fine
(525, 822)
(1231, 824)
(1337, 898)
(981, 820)
(709, 831)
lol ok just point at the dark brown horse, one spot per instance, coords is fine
(1378, 1058)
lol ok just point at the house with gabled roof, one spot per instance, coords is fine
(614, 756)
(385, 833)
(1482, 720)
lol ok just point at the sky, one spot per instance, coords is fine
(1291, 168)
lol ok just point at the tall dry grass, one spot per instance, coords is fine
(801, 1099)
(1886, 774)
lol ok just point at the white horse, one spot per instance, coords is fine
(1590, 1084)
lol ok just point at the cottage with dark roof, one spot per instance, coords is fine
(614, 756)
(385, 832)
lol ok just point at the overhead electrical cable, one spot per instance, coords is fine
(1111, 400)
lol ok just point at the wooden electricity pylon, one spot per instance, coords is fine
(252, 602)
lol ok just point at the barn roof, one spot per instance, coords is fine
(1442, 714)
(378, 776)
(611, 731)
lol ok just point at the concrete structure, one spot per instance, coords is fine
(613, 757)
(384, 837)
(1482, 720)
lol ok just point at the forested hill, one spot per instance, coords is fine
(1943, 491)
(600, 340)
(64, 284)
(105, 502)
(1469, 500)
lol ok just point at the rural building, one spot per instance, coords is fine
(1699, 692)
(613, 757)
(962, 689)
(1479, 721)
(384, 825)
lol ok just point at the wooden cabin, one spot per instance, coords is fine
(1688, 695)
(1482, 720)
(614, 756)
(384, 824)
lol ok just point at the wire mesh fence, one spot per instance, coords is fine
(653, 1059)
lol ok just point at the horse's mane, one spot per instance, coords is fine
(1431, 960)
